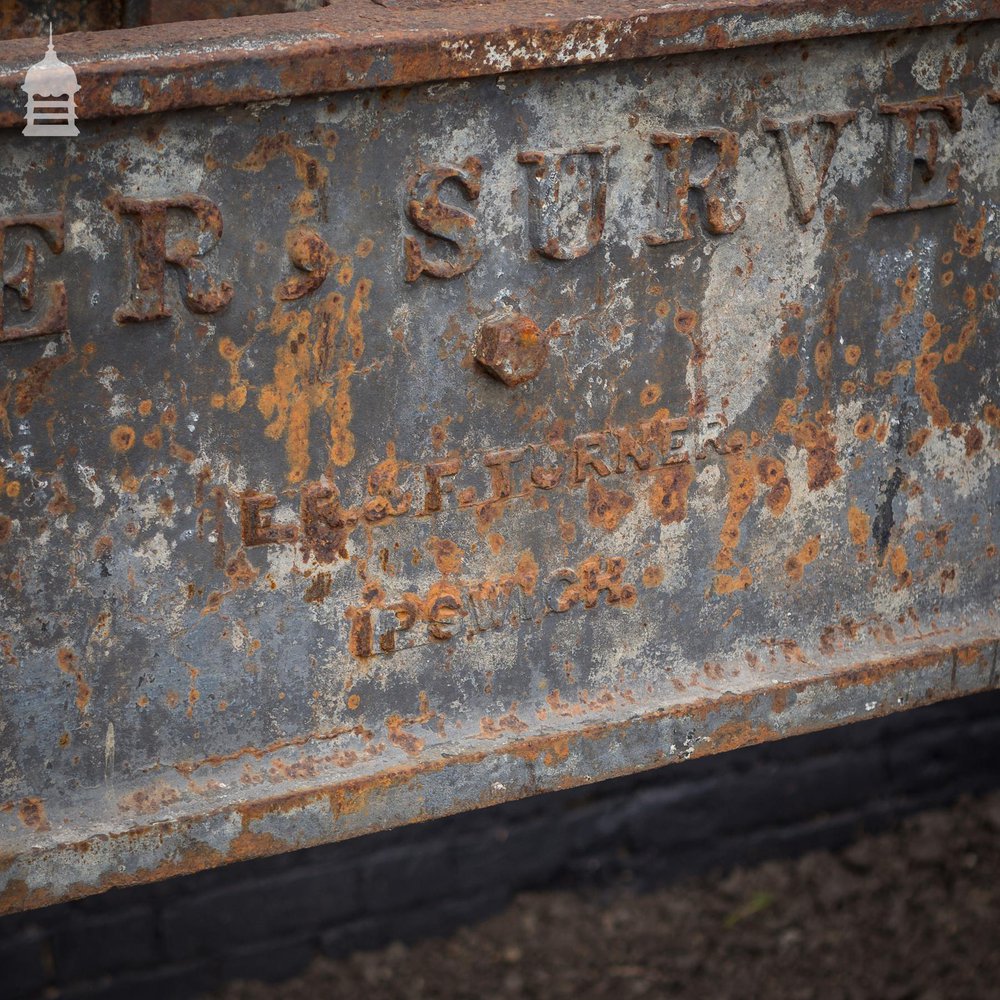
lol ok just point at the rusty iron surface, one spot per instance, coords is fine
(360, 43)
(372, 456)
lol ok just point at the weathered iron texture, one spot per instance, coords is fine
(370, 456)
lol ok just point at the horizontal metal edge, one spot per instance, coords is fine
(357, 44)
(437, 784)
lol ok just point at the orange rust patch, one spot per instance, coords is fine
(852, 354)
(447, 555)
(970, 241)
(668, 493)
(240, 571)
(31, 812)
(122, 438)
(926, 362)
(898, 563)
(973, 441)
(823, 356)
(953, 352)
(396, 727)
(795, 565)
(685, 321)
(6, 527)
(509, 722)
(606, 508)
(308, 170)
(151, 800)
(908, 299)
(991, 414)
(35, 381)
(69, 664)
(725, 584)
(865, 427)
(859, 525)
(60, 502)
(235, 399)
(742, 490)
(779, 490)
(917, 440)
(650, 394)
(319, 588)
(312, 373)
(789, 346)
(821, 446)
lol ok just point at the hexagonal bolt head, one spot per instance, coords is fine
(512, 348)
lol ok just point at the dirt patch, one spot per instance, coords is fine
(908, 915)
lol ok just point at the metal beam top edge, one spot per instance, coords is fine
(359, 44)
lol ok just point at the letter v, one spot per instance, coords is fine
(807, 146)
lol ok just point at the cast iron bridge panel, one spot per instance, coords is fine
(389, 427)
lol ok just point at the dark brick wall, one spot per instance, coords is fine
(266, 919)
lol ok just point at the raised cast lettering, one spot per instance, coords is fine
(446, 222)
(311, 254)
(152, 252)
(695, 161)
(52, 316)
(807, 146)
(256, 527)
(914, 156)
(567, 199)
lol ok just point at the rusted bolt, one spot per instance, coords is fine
(512, 348)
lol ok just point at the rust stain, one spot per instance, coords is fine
(779, 490)
(308, 170)
(69, 664)
(31, 812)
(447, 555)
(35, 381)
(908, 299)
(742, 490)
(491, 729)
(396, 727)
(319, 588)
(970, 240)
(122, 438)
(917, 440)
(727, 584)
(149, 800)
(821, 447)
(606, 508)
(898, 563)
(926, 363)
(236, 398)
(795, 565)
(668, 493)
(313, 360)
(859, 525)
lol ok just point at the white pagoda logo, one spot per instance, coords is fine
(50, 86)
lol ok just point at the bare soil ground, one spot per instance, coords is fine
(909, 915)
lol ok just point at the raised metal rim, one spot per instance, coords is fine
(359, 44)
